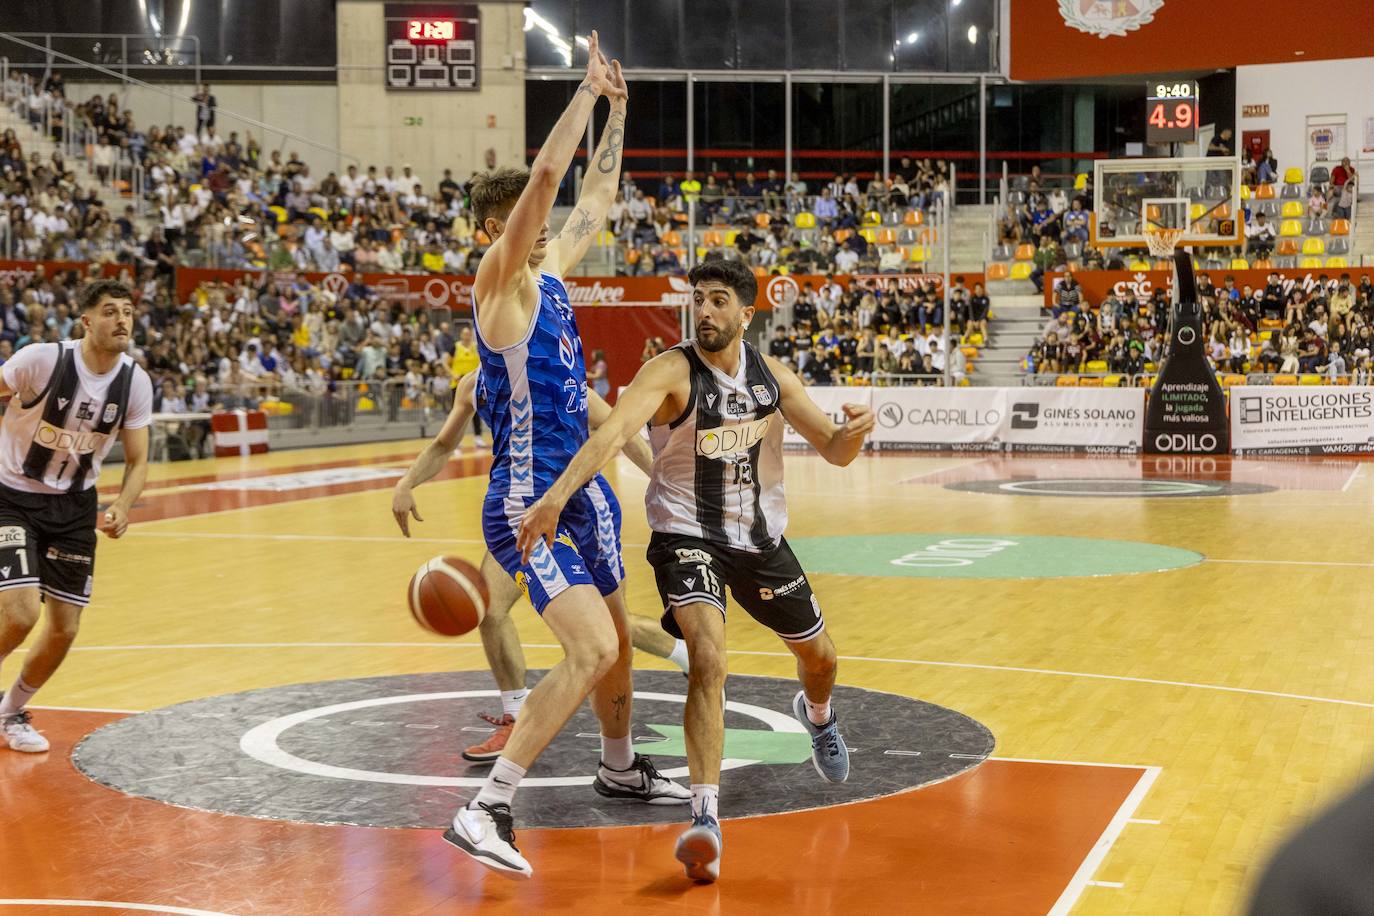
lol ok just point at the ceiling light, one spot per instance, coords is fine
(913, 38)
(973, 34)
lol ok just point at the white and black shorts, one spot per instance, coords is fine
(48, 542)
(771, 586)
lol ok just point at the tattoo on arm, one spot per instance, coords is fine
(619, 704)
(587, 88)
(609, 157)
(580, 224)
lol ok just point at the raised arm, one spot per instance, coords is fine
(567, 249)
(503, 262)
(635, 448)
(636, 405)
(838, 445)
(435, 455)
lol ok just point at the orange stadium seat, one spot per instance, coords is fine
(672, 238)
(998, 271)
(762, 220)
(1025, 252)
(711, 239)
(887, 237)
(914, 218)
(842, 234)
(1340, 227)
(1264, 192)
(1066, 381)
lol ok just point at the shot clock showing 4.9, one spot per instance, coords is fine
(1171, 109)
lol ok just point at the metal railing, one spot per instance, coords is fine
(335, 404)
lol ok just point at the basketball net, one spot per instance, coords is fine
(1162, 240)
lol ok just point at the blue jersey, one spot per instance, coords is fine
(533, 395)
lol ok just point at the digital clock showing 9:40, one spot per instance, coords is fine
(1171, 112)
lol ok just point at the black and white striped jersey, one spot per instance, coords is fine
(718, 467)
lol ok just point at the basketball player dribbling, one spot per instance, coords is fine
(70, 400)
(716, 506)
(532, 393)
(500, 641)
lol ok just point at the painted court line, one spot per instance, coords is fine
(1105, 884)
(1351, 479)
(1051, 672)
(1292, 562)
(1142, 820)
(1084, 876)
(115, 905)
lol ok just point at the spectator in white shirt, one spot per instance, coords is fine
(846, 260)
(1259, 236)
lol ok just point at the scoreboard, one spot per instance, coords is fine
(1171, 109)
(433, 46)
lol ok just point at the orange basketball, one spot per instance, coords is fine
(448, 596)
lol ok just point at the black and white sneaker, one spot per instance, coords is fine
(641, 782)
(487, 833)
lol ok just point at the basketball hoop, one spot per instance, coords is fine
(1162, 240)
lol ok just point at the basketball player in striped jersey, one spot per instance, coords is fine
(68, 403)
(500, 641)
(532, 393)
(715, 407)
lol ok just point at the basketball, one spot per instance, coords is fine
(448, 596)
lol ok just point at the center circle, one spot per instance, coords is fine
(1112, 487)
(385, 751)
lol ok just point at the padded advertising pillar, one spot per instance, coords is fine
(1187, 409)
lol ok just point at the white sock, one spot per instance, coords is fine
(17, 697)
(679, 654)
(617, 753)
(499, 789)
(704, 799)
(512, 700)
(818, 713)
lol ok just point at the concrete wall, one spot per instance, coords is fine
(308, 110)
(1293, 91)
(458, 127)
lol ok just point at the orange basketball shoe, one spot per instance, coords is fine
(491, 748)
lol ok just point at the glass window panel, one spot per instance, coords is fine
(740, 128)
(920, 36)
(608, 18)
(656, 145)
(836, 127)
(710, 34)
(657, 32)
(970, 36)
(762, 34)
(815, 33)
(867, 34)
(549, 36)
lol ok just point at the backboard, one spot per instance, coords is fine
(1199, 195)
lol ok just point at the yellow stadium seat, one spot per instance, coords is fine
(1313, 246)
(320, 212)
(1292, 175)
(1310, 263)
(1264, 192)
(1337, 261)
(1290, 228)
(806, 220)
(1228, 380)
(195, 188)
(1080, 181)
(1196, 211)
(976, 339)
(1137, 264)
(366, 405)
(997, 271)
(1025, 252)
(1097, 365)
(1285, 380)
(1245, 192)
(869, 234)
(1310, 380)
(873, 218)
(919, 254)
(1340, 227)
(1240, 264)
(1111, 381)
(605, 238)
(731, 236)
(278, 212)
(1021, 270)
(1292, 209)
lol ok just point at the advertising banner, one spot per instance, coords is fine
(831, 401)
(1100, 421)
(938, 419)
(1288, 420)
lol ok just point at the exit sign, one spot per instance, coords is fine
(413, 121)
(1254, 111)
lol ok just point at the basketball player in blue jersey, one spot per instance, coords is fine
(532, 392)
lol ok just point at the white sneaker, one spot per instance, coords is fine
(641, 782)
(487, 833)
(21, 735)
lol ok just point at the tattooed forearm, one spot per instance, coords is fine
(619, 704)
(580, 225)
(608, 160)
(587, 88)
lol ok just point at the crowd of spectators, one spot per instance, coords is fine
(1286, 328)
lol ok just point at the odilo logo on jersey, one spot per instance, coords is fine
(65, 440)
(724, 441)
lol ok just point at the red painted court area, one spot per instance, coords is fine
(1007, 837)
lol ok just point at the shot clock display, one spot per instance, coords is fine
(433, 46)
(1171, 109)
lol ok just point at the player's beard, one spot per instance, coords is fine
(721, 337)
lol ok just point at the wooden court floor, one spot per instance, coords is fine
(1157, 731)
